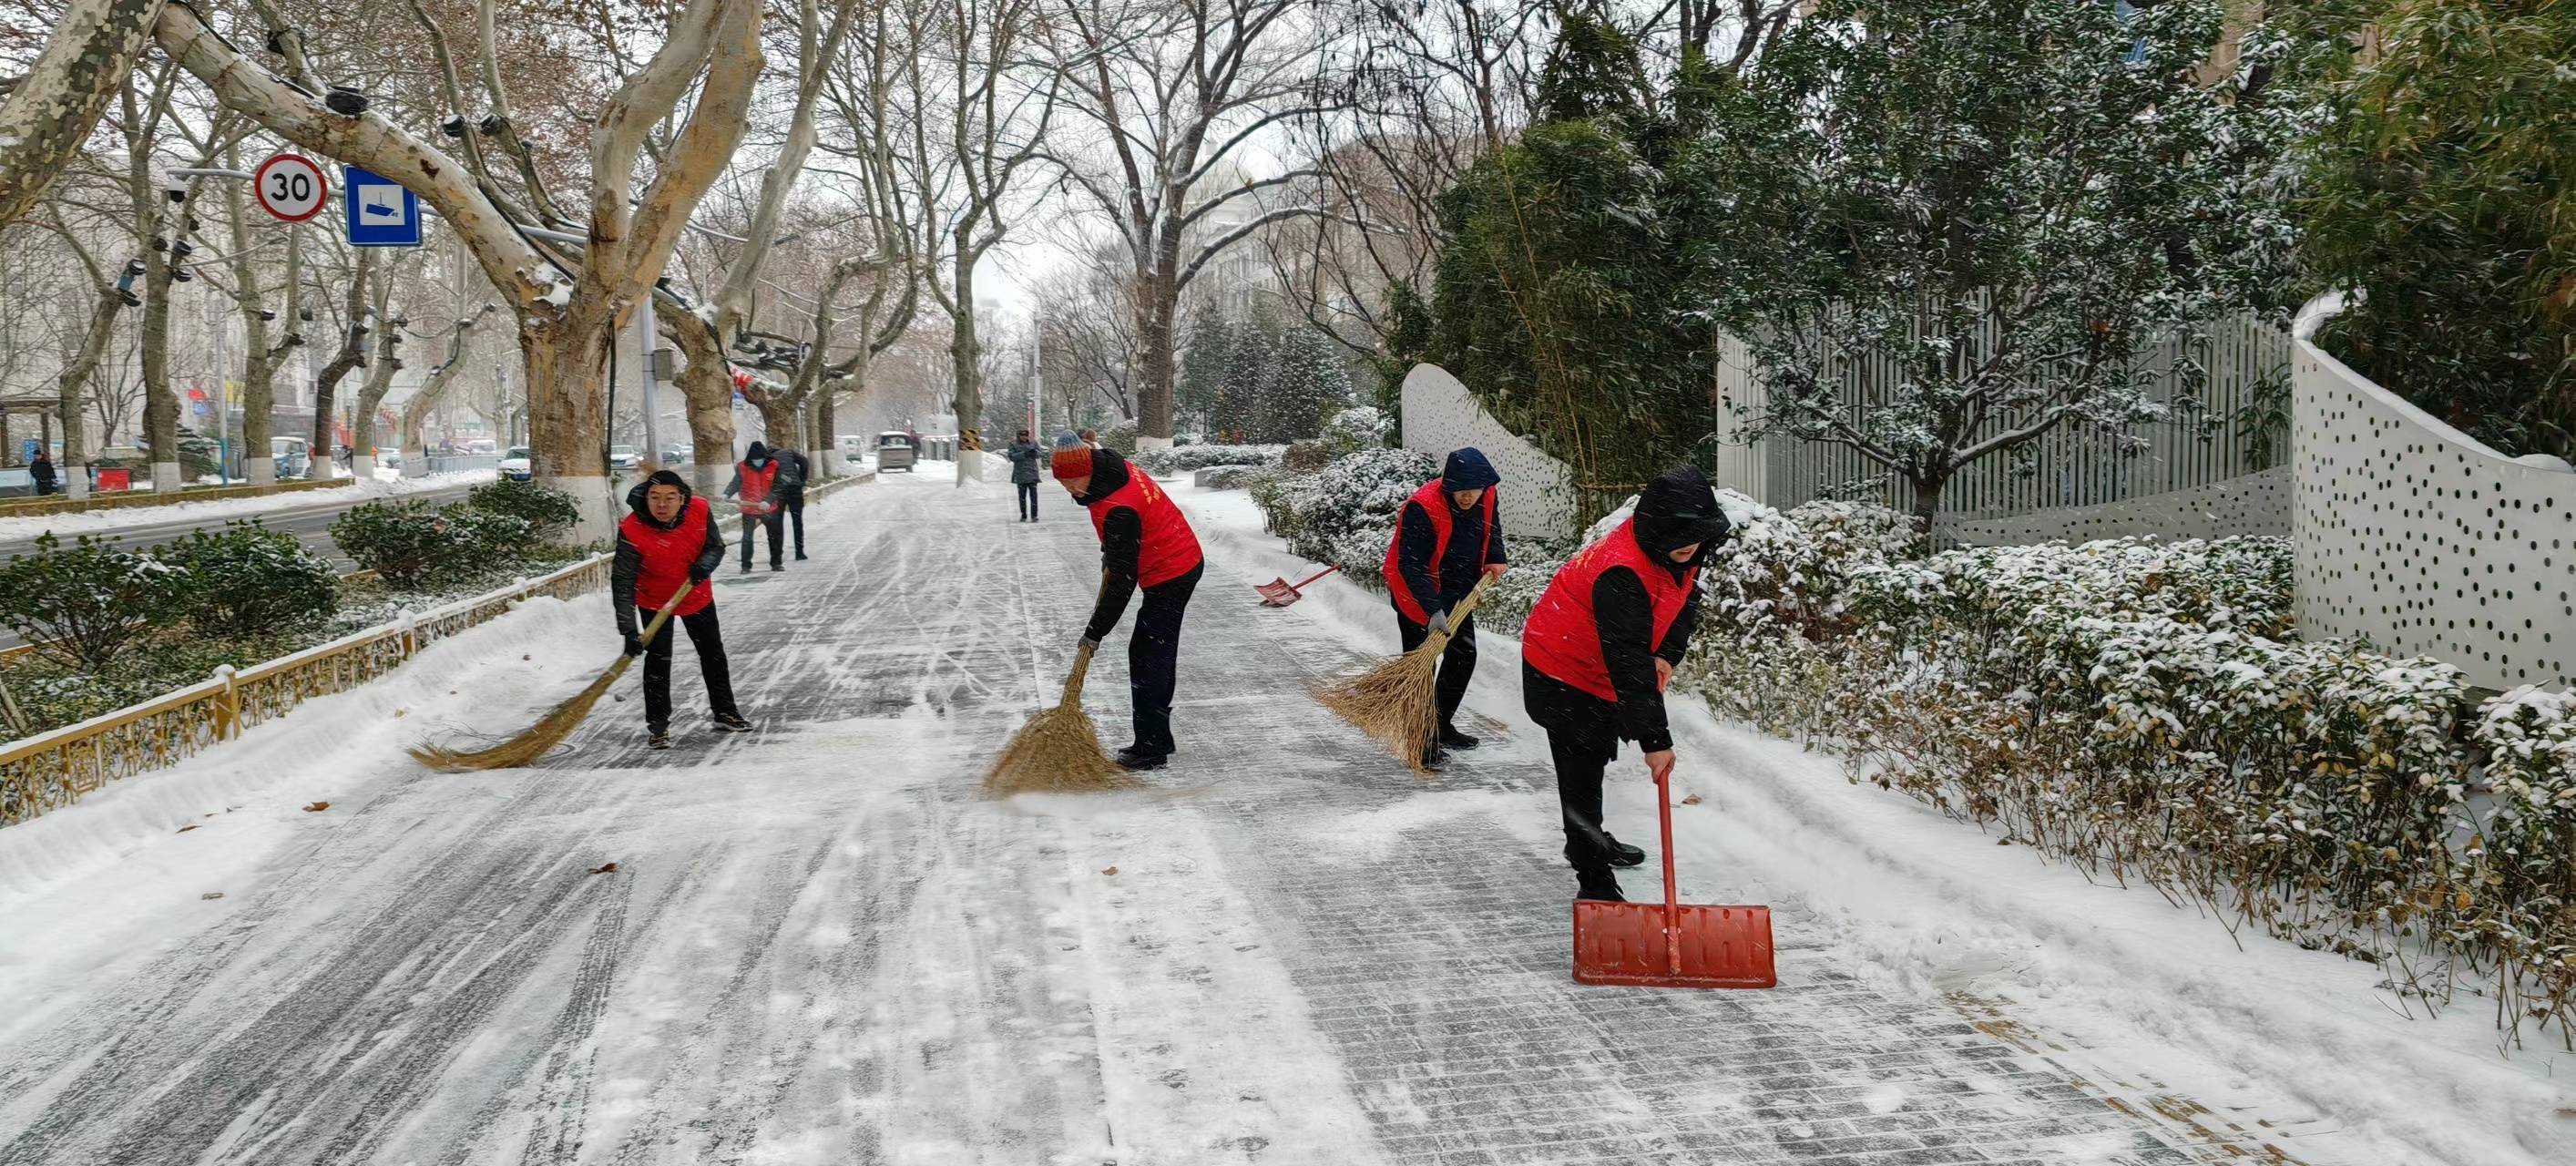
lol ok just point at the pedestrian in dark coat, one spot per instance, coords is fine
(1600, 645)
(41, 471)
(1025, 456)
(1145, 542)
(788, 491)
(755, 478)
(670, 538)
(1447, 536)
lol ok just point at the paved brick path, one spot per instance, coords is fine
(823, 947)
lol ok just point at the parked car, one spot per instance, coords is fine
(624, 457)
(514, 464)
(288, 456)
(895, 451)
(482, 445)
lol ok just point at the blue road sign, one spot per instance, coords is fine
(381, 212)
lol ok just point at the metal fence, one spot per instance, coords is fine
(2222, 432)
(439, 463)
(52, 770)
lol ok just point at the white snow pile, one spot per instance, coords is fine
(217, 510)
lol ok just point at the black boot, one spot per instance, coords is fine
(1622, 854)
(1599, 885)
(732, 723)
(657, 739)
(1434, 757)
(1136, 760)
(1451, 738)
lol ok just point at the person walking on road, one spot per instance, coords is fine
(671, 537)
(1447, 536)
(755, 479)
(1600, 645)
(789, 492)
(1025, 456)
(1145, 542)
(41, 471)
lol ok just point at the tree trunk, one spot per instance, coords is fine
(160, 400)
(567, 415)
(706, 383)
(826, 446)
(371, 397)
(259, 363)
(1927, 501)
(1156, 301)
(47, 117)
(93, 350)
(967, 369)
(353, 352)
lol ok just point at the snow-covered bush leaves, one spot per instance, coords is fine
(1183, 459)
(1344, 514)
(249, 580)
(86, 603)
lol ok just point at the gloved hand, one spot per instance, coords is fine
(698, 572)
(1090, 645)
(634, 644)
(1440, 623)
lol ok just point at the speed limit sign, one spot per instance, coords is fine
(290, 187)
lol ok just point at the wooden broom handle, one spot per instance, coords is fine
(1459, 612)
(664, 616)
(1081, 668)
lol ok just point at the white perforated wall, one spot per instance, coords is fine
(2423, 540)
(2257, 504)
(1537, 494)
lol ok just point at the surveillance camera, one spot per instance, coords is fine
(180, 275)
(304, 314)
(182, 249)
(492, 125)
(133, 267)
(265, 315)
(131, 300)
(160, 244)
(453, 127)
(345, 101)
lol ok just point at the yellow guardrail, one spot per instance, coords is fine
(129, 499)
(52, 770)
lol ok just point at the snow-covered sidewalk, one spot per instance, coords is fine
(818, 945)
(217, 511)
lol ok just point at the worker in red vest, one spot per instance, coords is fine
(755, 481)
(669, 540)
(1447, 536)
(1600, 645)
(1144, 542)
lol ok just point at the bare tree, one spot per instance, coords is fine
(976, 128)
(568, 299)
(1173, 92)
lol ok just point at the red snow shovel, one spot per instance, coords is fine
(1281, 592)
(1676, 945)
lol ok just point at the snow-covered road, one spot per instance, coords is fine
(818, 945)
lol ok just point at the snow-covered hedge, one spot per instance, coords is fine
(1344, 514)
(1185, 458)
(1356, 429)
(2144, 711)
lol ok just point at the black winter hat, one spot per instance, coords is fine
(1677, 509)
(635, 495)
(756, 454)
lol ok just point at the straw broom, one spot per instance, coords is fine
(1057, 751)
(1394, 702)
(550, 730)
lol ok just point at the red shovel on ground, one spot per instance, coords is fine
(1675, 945)
(1281, 592)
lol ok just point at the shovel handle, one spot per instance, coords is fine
(1672, 908)
(1300, 585)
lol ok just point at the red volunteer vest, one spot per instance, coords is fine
(1561, 639)
(1434, 502)
(1170, 549)
(755, 485)
(667, 555)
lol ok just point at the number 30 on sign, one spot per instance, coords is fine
(291, 187)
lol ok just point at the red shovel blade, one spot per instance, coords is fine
(1276, 593)
(1720, 947)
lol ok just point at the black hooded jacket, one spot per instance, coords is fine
(629, 561)
(1675, 510)
(1467, 553)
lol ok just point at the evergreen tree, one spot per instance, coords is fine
(1205, 364)
(1307, 383)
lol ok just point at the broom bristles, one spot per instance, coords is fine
(1058, 751)
(1395, 701)
(534, 742)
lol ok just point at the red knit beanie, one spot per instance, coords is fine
(1071, 461)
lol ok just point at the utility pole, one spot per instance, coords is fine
(223, 394)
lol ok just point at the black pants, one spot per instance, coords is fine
(1457, 662)
(709, 642)
(792, 504)
(1153, 659)
(1028, 500)
(1582, 739)
(777, 537)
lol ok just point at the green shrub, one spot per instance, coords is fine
(548, 512)
(87, 603)
(250, 580)
(401, 541)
